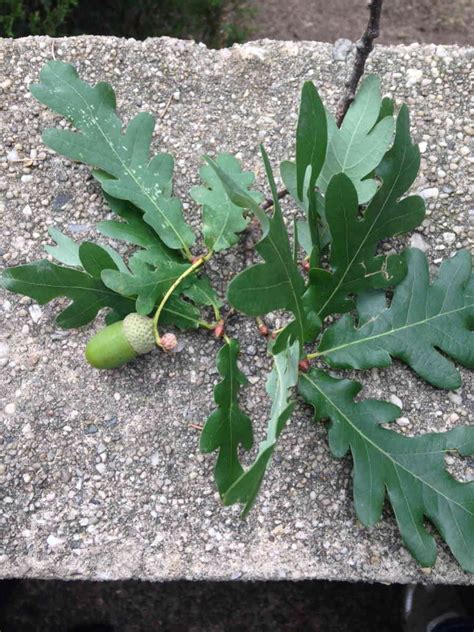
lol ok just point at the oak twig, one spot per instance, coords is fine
(268, 203)
(363, 49)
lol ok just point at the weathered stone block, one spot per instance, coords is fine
(101, 471)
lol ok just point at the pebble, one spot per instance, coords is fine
(36, 313)
(396, 400)
(341, 49)
(53, 541)
(101, 467)
(61, 200)
(417, 241)
(449, 238)
(12, 156)
(430, 193)
(4, 349)
(403, 422)
(10, 408)
(455, 398)
(79, 228)
(413, 76)
(91, 429)
(155, 459)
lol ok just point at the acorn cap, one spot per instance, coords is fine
(138, 330)
(120, 342)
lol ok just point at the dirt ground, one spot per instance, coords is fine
(403, 21)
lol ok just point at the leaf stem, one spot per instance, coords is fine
(217, 313)
(205, 325)
(192, 268)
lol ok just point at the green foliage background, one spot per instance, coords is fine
(215, 22)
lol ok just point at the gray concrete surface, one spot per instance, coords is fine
(101, 472)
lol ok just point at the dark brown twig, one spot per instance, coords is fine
(268, 203)
(363, 49)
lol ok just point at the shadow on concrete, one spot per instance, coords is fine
(135, 606)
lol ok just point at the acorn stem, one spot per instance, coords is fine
(192, 268)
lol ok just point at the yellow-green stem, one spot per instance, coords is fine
(217, 313)
(192, 268)
(206, 325)
(316, 354)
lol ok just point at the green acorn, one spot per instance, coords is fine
(121, 342)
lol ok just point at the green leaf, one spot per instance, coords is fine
(237, 194)
(43, 281)
(133, 229)
(201, 292)
(410, 469)
(94, 259)
(66, 251)
(354, 266)
(101, 144)
(323, 236)
(387, 108)
(303, 236)
(222, 219)
(116, 258)
(277, 283)
(358, 146)
(424, 324)
(146, 284)
(228, 427)
(311, 139)
(180, 314)
(281, 380)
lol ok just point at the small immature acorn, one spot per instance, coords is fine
(168, 342)
(121, 342)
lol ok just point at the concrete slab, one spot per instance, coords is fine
(101, 471)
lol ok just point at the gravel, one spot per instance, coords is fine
(150, 510)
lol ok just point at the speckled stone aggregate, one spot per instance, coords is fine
(101, 472)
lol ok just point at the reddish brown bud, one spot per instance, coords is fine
(263, 329)
(306, 265)
(219, 329)
(303, 365)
